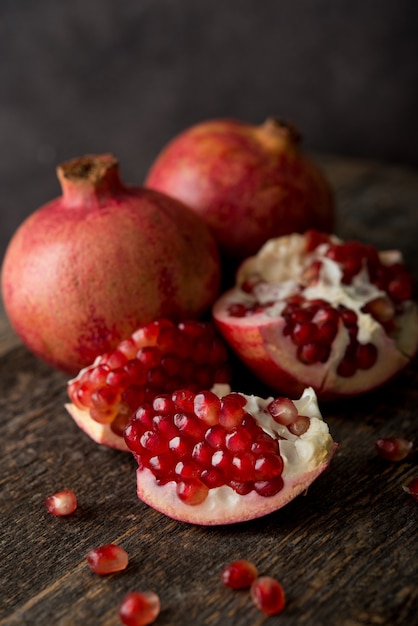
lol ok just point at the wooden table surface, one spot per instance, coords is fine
(346, 552)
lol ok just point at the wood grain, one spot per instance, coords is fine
(346, 552)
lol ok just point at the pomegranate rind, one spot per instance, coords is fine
(100, 433)
(305, 458)
(259, 341)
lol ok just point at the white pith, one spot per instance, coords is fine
(304, 457)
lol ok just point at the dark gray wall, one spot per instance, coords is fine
(126, 75)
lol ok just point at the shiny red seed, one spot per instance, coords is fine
(61, 503)
(366, 355)
(183, 399)
(283, 410)
(412, 488)
(139, 608)
(393, 448)
(268, 488)
(216, 436)
(153, 442)
(242, 467)
(212, 478)
(303, 333)
(239, 574)
(232, 410)
(238, 440)
(207, 406)
(313, 353)
(107, 559)
(268, 466)
(192, 491)
(268, 595)
(189, 425)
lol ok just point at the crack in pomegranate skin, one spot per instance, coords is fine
(159, 357)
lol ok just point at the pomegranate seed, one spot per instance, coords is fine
(238, 440)
(300, 425)
(315, 238)
(139, 608)
(61, 503)
(267, 595)
(412, 488)
(216, 437)
(107, 559)
(232, 410)
(393, 448)
(192, 491)
(269, 488)
(207, 406)
(283, 411)
(366, 356)
(239, 574)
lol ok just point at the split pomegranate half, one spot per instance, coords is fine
(312, 310)
(215, 460)
(158, 357)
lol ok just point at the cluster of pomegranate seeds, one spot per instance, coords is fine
(201, 442)
(393, 448)
(412, 488)
(312, 326)
(239, 574)
(268, 595)
(139, 608)
(61, 503)
(107, 559)
(159, 357)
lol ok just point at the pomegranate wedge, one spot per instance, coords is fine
(158, 357)
(212, 460)
(314, 310)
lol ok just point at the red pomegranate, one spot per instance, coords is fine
(313, 310)
(215, 460)
(84, 271)
(249, 183)
(158, 357)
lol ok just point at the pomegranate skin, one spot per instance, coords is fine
(249, 183)
(84, 271)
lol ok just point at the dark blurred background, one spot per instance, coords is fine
(126, 75)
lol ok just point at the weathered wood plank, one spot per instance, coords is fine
(346, 552)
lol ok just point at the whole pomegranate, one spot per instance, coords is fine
(211, 459)
(250, 183)
(84, 271)
(314, 310)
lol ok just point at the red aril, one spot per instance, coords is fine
(107, 559)
(84, 271)
(157, 358)
(239, 574)
(249, 183)
(393, 448)
(313, 310)
(268, 595)
(139, 608)
(412, 488)
(61, 503)
(196, 475)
